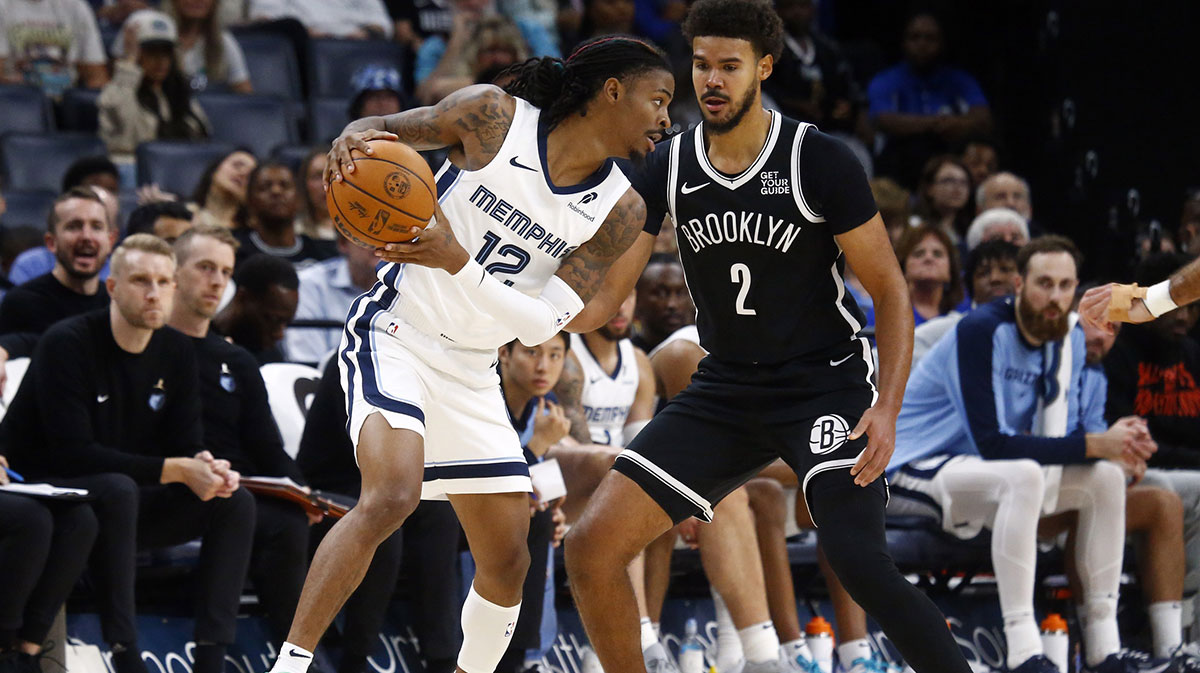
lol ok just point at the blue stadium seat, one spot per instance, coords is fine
(332, 63)
(78, 110)
(27, 208)
(177, 166)
(293, 156)
(38, 161)
(326, 118)
(261, 123)
(25, 108)
(271, 61)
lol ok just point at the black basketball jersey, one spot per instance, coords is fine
(758, 249)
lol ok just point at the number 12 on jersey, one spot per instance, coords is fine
(520, 257)
(740, 273)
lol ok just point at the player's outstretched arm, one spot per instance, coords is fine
(1101, 306)
(473, 120)
(881, 276)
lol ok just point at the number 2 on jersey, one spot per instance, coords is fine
(490, 239)
(740, 273)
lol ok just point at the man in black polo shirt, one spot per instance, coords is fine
(238, 425)
(79, 235)
(111, 404)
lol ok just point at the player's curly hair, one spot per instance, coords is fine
(752, 20)
(562, 87)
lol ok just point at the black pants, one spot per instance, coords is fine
(279, 561)
(133, 517)
(426, 547)
(527, 634)
(44, 546)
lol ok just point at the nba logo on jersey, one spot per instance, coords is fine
(391, 328)
(508, 630)
(828, 433)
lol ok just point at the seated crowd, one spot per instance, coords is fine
(145, 333)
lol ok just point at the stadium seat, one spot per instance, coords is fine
(326, 118)
(78, 111)
(25, 108)
(261, 123)
(332, 63)
(27, 208)
(271, 61)
(177, 166)
(290, 391)
(39, 160)
(292, 155)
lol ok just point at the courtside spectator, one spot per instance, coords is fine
(111, 403)
(164, 219)
(1004, 190)
(943, 194)
(79, 237)
(428, 542)
(930, 265)
(270, 225)
(326, 291)
(314, 220)
(344, 19)
(922, 106)
(990, 273)
(998, 223)
(663, 302)
(221, 192)
(148, 98)
(264, 304)
(44, 547)
(51, 44)
(238, 425)
(981, 159)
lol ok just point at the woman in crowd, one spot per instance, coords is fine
(208, 54)
(148, 97)
(929, 261)
(314, 220)
(945, 195)
(221, 192)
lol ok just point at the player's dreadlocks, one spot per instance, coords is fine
(562, 87)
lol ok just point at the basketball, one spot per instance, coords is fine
(388, 192)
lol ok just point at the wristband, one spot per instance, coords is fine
(1158, 299)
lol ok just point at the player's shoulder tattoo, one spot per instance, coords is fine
(481, 113)
(584, 269)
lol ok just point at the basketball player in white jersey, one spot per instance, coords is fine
(532, 214)
(618, 383)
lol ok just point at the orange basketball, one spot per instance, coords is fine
(388, 192)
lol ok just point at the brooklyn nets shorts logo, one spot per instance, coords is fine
(828, 433)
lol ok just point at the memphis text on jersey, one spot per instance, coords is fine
(513, 219)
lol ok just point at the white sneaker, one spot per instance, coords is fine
(772, 666)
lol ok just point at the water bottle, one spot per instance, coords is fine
(819, 634)
(1055, 639)
(691, 652)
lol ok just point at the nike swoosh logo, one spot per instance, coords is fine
(100, 399)
(688, 190)
(513, 162)
(294, 653)
(838, 362)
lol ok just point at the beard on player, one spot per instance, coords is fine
(733, 113)
(1048, 323)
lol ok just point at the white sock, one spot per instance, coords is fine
(1166, 624)
(657, 629)
(729, 646)
(851, 650)
(292, 659)
(487, 630)
(649, 637)
(793, 649)
(1102, 637)
(1023, 637)
(759, 642)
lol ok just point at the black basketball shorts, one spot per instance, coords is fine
(735, 419)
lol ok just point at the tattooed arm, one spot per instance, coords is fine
(472, 122)
(569, 391)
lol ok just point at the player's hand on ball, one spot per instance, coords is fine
(879, 425)
(339, 154)
(436, 247)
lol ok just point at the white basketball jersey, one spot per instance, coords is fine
(685, 333)
(607, 397)
(514, 222)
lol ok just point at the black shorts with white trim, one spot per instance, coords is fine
(735, 419)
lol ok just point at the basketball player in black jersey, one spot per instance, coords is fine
(767, 211)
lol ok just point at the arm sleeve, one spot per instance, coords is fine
(65, 409)
(834, 183)
(533, 319)
(983, 399)
(259, 433)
